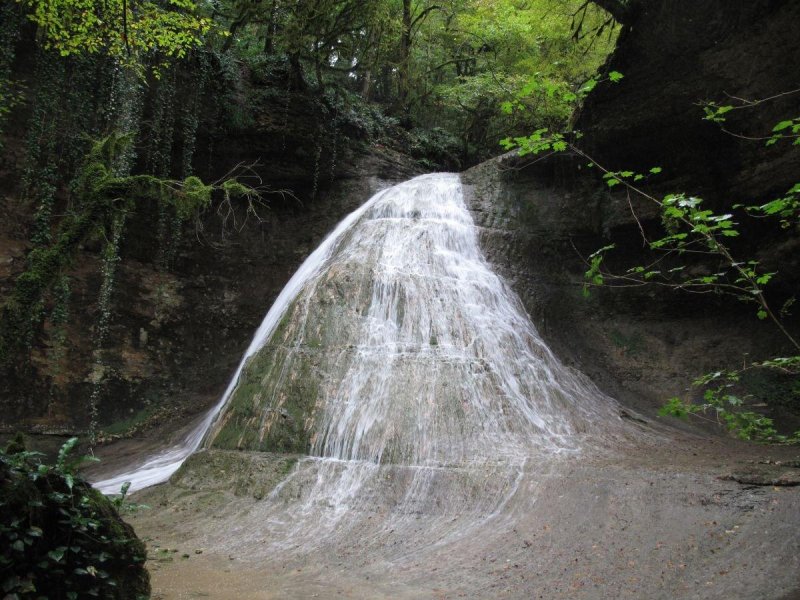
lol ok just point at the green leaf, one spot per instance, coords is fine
(57, 554)
(762, 314)
(507, 144)
(656, 170)
(588, 86)
(674, 407)
(782, 125)
(615, 76)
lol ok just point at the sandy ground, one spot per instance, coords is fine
(657, 521)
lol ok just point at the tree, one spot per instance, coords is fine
(127, 30)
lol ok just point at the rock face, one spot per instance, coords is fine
(186, 298)
(640, 345)
(541, 221)
(183, 314)
(177, 332)
(676, 55)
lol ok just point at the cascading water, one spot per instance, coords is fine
(159, 467)
(409, 376)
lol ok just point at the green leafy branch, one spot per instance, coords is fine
(722, 400)
(691, 229)
(786, 208)
(788, 129)
(127, 31)
(543, 139)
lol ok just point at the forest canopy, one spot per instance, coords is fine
(451, 64)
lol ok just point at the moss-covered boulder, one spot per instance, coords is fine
(60, 537)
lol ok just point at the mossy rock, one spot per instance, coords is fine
(62, 538)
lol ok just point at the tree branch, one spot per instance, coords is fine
(621, 10)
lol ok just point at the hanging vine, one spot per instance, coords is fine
(105, 198)
(108, 268)
(40, 173)
(10, 90)
(125, 113)
(59, 317)
(190, 118)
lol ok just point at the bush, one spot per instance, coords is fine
(61, 538)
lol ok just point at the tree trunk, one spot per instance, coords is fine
(404, 65)
(621, 10)
(366, 85)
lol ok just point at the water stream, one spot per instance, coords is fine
(408, 377)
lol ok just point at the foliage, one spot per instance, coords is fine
(502, 68)
(448, 65)
(103, 200)
(10, 90)
(125, 30)
(695, 235)
(547, 139)
(720, 398)
(63, 539)
(787, 129)
(691, 230)
(694, 253)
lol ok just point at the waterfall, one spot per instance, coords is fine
(159, 467)
(408, 375)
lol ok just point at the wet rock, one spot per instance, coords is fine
(765, 474)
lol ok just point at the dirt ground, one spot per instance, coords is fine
(677, 517)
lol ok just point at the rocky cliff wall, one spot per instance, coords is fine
(541, 218)
(186, 297)
(538, 221)
(675, 56)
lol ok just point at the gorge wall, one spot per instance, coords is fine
(675, 56)
(538, 223)
(542, 218)
(186, 297)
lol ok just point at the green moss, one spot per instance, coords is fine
(222, 471)
(632, 344)
(236, 189)
(194, 196)
(271, 409)
(126, 425)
